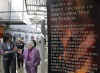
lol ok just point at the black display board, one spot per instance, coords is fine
(73, 36)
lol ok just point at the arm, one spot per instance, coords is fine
(13, 49)
(65, 40)
(37, 62)
(85, 45)
(1, 49)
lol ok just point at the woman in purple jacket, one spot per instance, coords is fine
(31, 57)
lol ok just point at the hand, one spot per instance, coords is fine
(28, 63)
(20, 51)
(6, 52)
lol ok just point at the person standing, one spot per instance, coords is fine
(9, 56)
(31, 57)
(20, 47)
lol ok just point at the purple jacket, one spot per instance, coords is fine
(31, 65)
(34, 56)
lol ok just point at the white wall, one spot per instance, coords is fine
(3, 7)
(15, 5)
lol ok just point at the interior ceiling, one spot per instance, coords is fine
(23, 11)
(36, 9)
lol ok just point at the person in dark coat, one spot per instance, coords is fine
(20, 47)
(9, 54)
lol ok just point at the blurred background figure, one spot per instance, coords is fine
(31, 57)
(20, 47)
(32, 38)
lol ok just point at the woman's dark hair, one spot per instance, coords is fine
(6, 37)
(34, 43)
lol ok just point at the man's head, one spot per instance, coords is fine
(7, 37)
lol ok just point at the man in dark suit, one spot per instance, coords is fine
(9, 56)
